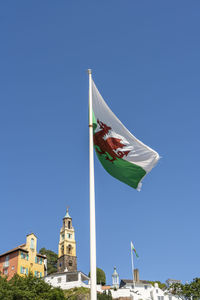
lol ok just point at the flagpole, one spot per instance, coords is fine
(93, 289)
(132, 265)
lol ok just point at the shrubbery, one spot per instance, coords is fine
(33, 288)
(186, 291)
(28, 288)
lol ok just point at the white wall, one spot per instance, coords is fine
(140, 293)
(120, 293)
(59, 280)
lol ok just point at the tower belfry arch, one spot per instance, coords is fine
(67, 259)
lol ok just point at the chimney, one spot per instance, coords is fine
(136, 275)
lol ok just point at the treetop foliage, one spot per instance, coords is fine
(101, 276)
(104, 296)
(186, 291)
(33, 288)
(161, 285)
(28, 288)
(52, 259)
(84, 293)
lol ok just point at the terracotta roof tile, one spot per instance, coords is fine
(21, 247)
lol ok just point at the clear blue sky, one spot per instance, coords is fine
(145, 57)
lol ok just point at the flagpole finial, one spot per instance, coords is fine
(89, 71)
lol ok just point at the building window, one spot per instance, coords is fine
(32, 244)
(69, 249)
(146, 287)
(63, 236)
(38, 260)
(24, 270)
(70, 263)
(6, 263)
(5, 271)
(62, 250)
(37, 274)
(59, 279)
(69, 225)
(69, 235)
(24, 255)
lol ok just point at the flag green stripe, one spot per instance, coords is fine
(123, 170)
(135, 253)
(133, 249)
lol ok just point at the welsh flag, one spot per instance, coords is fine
(133, 249)
(121, 154)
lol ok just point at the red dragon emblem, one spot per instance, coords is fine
(108, 146)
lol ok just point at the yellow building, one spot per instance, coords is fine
(67, 260)
(24, 259)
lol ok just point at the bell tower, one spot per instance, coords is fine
(67, 260)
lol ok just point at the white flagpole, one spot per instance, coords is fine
(93, 288)
(132, 263)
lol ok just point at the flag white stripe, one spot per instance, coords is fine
(141, 154)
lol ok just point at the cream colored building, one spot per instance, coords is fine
(24, 259)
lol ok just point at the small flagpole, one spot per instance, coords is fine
(132, 264)
(93, 288)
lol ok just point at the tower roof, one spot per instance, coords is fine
(67, 214)
(115, 272)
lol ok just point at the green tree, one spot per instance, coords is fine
(28, 288)
(104, 296)
(84, 294)
(77, 293)
(161, 285)
(186, 291)
(52, 259)
(101, 276)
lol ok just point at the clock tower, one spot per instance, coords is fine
(67, 260)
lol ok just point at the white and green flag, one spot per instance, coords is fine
(121, 154)
(134, 250)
